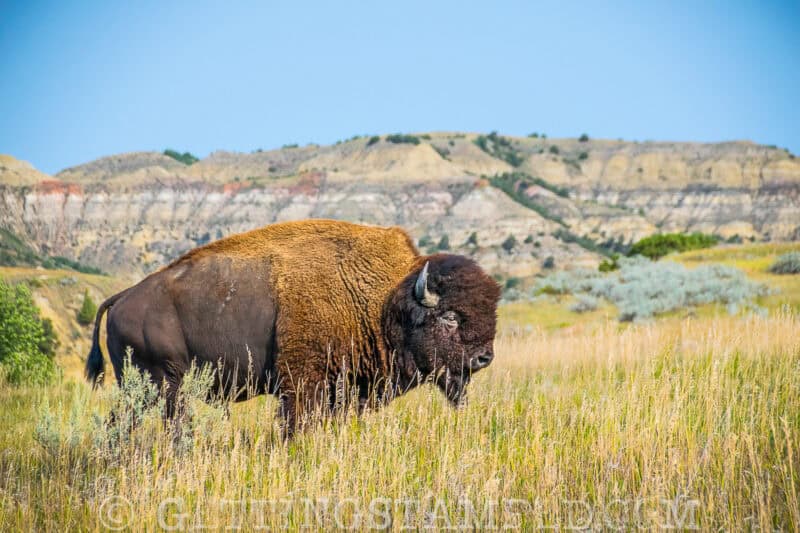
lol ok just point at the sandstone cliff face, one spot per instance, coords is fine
(135, 231)
(131, 213)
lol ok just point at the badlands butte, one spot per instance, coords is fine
(569, 199)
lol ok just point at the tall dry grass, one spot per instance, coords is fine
(692, 423)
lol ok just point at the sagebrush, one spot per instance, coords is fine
(786, 264)
(642, 289)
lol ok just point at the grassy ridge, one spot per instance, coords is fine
(701, 413)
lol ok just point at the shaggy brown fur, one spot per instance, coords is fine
(319, 305)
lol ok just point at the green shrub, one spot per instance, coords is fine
(549, 290)
(512, 283)
(549, 262)
(498, 146)
(472, 239)
(88, 310)
(609, 265)
(49, 342)
(584, 303)
(398, 138)
(444, 153)
(554, 149)
(521, 181)
(373, 140)
(583, 156)
(186, 157)
(786, 264)
(657, 246)
(528, 239)
(533, 135)
(444, 243)
(583, 138)
(584, 242)
(27, 342)
(424, 241)
(509, 243)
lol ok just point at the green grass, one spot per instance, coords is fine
(703, 412)
(550, 314)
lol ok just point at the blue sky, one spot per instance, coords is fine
(79, 80)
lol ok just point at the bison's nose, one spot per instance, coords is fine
(482, 360)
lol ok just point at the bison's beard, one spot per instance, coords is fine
(454, 387)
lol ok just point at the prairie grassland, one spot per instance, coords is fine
(678, 423)
(553, 313)
(754, 260)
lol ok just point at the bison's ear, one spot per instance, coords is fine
(421, 292)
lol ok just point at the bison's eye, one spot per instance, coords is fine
(450, 320)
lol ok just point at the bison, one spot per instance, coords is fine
(301, 309)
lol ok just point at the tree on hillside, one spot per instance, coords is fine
(88, 310)
(187, 158)
(509, 243)
(27, 342)
(658, 245)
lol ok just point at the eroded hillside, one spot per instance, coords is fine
(560, 198)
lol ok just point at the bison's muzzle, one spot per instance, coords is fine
(481, 361)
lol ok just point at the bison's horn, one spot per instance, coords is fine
(421, 292)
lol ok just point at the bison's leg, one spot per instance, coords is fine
(172, 402)
(302, 404)
(303, 387)
(372, 393)
(287, 412)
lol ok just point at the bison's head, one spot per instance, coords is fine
(441, 323)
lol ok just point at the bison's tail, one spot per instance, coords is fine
(95, 364)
